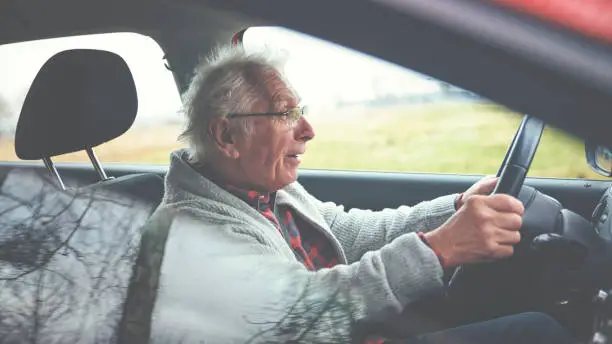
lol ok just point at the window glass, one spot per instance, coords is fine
(158, 122)
(369, 114)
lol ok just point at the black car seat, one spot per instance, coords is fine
(80, 99)
(67, 254)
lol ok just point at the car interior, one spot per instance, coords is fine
(71, 231)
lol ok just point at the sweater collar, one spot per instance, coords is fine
(184, 182)
(259, 200)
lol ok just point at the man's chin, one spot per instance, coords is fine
(289, 177)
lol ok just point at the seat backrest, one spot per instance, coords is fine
(147, 187)
(66, 258)
(80, 99)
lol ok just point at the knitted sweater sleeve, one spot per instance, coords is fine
(360, 231)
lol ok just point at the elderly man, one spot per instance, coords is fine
(251, 256)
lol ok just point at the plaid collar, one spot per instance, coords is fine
(258, 200)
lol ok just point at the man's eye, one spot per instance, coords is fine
(295, 114)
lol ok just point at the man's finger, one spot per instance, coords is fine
(509, 221)
(505, 237)
(488, 179)
(503, 251)
(506, 204)
(487, 185)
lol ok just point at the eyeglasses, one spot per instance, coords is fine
(293, 114)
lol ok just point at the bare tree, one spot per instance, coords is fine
(65, 260)
(319, 317)
(312, 316)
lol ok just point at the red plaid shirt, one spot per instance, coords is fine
(311, 247)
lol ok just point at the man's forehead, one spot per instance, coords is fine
(279, 89)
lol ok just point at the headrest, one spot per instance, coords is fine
(79, 99)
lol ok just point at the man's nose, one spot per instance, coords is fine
(304, 131)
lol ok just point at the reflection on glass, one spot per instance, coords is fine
(604, 158)
(66, 259)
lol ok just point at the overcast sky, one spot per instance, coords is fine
(321, 72)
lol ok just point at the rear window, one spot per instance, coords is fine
(158, 123)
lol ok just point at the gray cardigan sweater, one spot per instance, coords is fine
(228, 276)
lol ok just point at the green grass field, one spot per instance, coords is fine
(440, 138)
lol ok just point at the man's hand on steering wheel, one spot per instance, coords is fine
(483, 229)
(486, 228)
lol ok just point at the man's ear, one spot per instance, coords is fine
(221, 134)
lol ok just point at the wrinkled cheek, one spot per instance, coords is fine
(285, 168)
(280, 167)
(256, 169)
(290, 170)
(269, 168)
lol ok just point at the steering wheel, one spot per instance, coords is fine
(466, 282)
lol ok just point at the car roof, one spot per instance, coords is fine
(529, 65)
(39, 19)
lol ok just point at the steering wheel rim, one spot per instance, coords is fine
(511, 175)
(519, 156)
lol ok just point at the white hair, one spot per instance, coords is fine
(230, 80)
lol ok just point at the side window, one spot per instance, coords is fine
(369, 114)
(152, 136)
